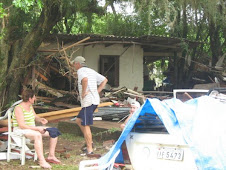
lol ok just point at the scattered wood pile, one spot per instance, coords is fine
(120, 98)
(206, 77)
(55, 83)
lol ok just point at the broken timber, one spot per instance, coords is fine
(54, 92)
(70, 46)
(49, 89)
(54, 115)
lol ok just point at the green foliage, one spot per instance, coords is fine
(112, 130)
(28, 5)
(157, 72)
(66, 167)
(2, 14)
(109, 131)
(2, 11)
(20, 15)
(71, 137)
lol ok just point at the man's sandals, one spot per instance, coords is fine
(90, 154)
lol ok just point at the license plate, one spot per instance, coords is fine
(170, 153)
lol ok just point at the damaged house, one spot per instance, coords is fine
(121, 59)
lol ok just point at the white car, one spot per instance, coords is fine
(151, 147)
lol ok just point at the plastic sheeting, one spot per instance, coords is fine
(199, 122)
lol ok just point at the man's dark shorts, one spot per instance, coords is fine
(86, 115)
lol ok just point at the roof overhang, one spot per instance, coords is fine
(153, 45)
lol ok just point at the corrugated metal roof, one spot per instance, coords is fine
(149, 43)
(99, 37)
(108, 113)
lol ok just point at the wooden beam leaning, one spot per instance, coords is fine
(70, 46)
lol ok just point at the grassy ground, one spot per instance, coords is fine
(70, 158)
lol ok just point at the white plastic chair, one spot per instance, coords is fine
(93, 164)
(17, 141)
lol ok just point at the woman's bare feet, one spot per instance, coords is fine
(45, 164)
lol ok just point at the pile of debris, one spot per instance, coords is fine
(58, 108)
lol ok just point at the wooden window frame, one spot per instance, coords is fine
(104, 71)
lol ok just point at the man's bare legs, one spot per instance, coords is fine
(87, 134)
(78, 121)
(88, 138)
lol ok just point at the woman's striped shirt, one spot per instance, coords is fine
(29, 117)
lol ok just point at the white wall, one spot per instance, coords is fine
(130, 61)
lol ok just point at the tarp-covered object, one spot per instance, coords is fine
(199, 122)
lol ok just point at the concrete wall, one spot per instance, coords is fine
(130, 61)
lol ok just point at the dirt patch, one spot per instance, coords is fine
(68, 151)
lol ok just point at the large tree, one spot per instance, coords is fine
(24, 25)
(20, 40)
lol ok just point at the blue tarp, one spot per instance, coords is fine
(200, 122)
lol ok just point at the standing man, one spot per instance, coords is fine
(90, 84)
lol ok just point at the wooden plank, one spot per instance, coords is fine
(65, 115)
(48, 108)
(44, 99)
(41, 75)
(75, 44)
(77, 109)
(65, 105)
(62, 116)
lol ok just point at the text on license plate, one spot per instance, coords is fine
(170, 153)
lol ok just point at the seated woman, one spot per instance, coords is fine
(24, 118)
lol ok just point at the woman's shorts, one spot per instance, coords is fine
(20, 131)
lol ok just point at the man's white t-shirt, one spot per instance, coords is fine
(94, 79)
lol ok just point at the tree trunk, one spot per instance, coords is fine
(195, 52)
(16, 55)
(179, 63)
(181, 67)
(215, 43)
